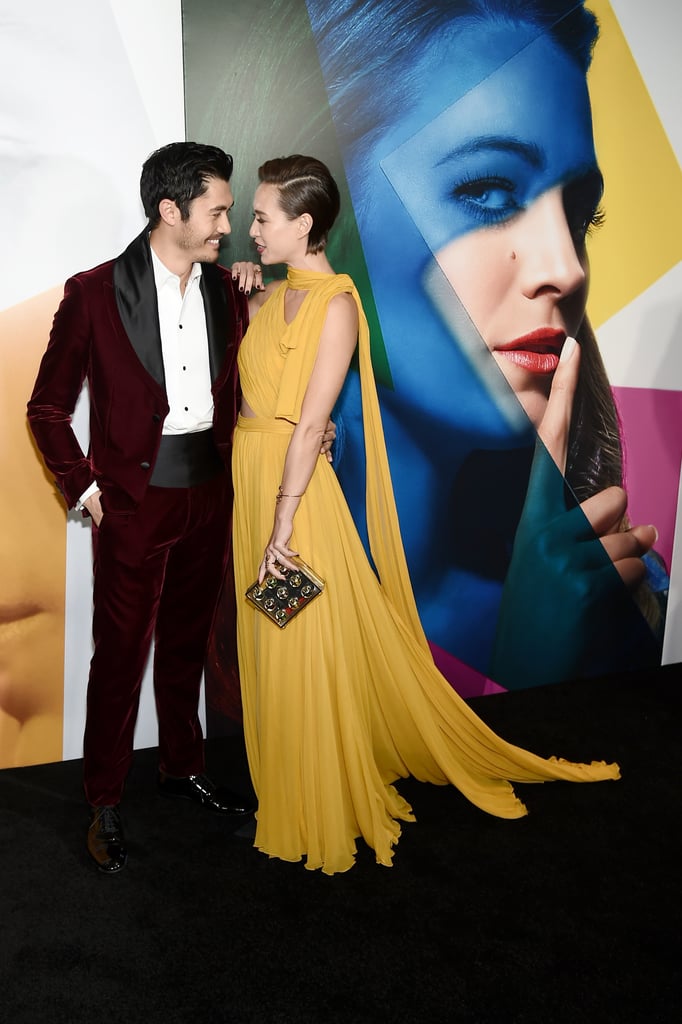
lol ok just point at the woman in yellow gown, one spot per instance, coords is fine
(345, 699)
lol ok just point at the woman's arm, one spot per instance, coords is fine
(337, 344)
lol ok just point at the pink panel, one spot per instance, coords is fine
(652, 431)
(463, 678)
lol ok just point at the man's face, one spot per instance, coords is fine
(199, 236)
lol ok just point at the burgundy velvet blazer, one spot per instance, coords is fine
(106, 331)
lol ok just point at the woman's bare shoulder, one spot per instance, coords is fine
(342, 308)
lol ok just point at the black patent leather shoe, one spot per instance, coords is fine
(201, 790)
(105, 840)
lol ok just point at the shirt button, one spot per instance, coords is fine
(144, 465)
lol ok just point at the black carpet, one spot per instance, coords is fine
(571, 915)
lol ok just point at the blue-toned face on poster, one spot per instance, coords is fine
(466, 135)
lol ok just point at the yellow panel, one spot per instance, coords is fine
(642, 237)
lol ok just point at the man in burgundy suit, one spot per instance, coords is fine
(155, 333)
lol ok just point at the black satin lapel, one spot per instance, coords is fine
(218, 319)
(135, 292)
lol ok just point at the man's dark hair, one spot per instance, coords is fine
(180, 171)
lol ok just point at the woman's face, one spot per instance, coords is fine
(276, 236)
(502, 185)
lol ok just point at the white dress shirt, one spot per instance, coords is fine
(184, 344)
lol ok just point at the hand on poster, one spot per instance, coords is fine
(567, 590)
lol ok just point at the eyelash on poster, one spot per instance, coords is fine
(463, 192)
(593, 219)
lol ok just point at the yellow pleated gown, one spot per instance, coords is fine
(346, 698)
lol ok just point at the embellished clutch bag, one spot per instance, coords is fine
(281, 600)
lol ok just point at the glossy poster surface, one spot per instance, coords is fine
(490, 212)
(258, 78)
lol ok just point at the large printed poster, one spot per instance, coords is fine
(497, 198)
(375, 89)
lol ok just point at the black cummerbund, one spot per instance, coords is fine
(185, 460)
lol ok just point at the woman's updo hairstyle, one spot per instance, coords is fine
(305, 186)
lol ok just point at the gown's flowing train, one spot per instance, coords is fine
(345, 699)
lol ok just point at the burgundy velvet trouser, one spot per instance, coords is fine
(157, 572)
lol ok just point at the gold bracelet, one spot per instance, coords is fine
(281, 494)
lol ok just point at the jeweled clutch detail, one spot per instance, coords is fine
(282, 600)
